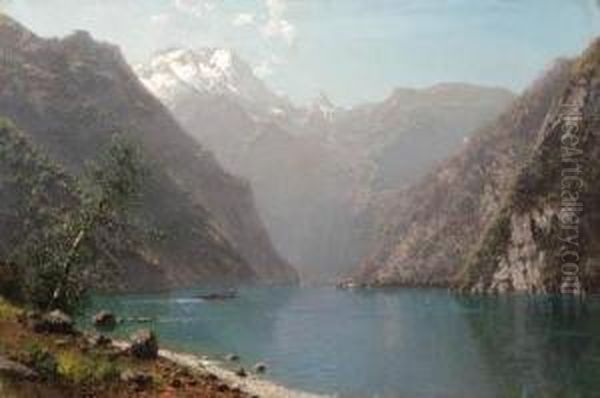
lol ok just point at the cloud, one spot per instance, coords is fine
(196, 8)
(267, 66)
(263, 69)
(243, 19)
(160, 19)
(277, 26)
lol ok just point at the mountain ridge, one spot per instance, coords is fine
(69, 94)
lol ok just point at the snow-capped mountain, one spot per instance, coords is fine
(178, 73)
(323, 105)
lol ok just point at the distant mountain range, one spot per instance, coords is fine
(69, 95)
(316, 170)
(452, 185)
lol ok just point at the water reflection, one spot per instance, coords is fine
(408, 343)
(538, 347)
(187, 323)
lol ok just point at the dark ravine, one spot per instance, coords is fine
(70, 95)
(487, 220)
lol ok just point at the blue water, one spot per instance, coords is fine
(401, 343)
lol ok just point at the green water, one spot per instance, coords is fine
(401, 343)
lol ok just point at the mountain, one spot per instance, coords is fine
(488, 219)
(315, 168)
(179, 73)
(545, 237)
(69, 95)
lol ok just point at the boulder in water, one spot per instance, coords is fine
(232, 358)
(260, 367)
(105, 319)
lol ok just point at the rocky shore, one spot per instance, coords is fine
(44, 355)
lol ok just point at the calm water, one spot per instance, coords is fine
(402, 343)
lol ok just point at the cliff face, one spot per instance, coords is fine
(70, 95)
(546, 235)
(430, 227)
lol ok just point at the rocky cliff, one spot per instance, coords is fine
(69, 95)
(545, 237)
(430, 228)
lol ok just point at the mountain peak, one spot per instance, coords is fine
(8, 22)
(12, 33)
(323, 106)
(203, 71)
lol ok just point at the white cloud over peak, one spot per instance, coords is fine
(263, 69)
(277, 26)
(267, 66)
(243, 19)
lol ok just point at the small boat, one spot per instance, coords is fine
(349, 284)
(218, 296)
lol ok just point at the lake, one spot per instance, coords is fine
(386, 343)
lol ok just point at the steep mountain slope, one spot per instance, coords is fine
(546, 235)
(412, 130)
(430, 227)
(315, 169)
(70, 94)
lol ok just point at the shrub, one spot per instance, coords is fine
(8, 311)
(41, 360)
(78, 368)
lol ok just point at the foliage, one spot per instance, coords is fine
(8, 311)
(79, 368)
(41, 360)
(68, 226)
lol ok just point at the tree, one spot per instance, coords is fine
(69, 225)
(109, 191)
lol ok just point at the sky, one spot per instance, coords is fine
(352, 50)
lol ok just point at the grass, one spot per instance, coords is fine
(79, 368)
(8, 312)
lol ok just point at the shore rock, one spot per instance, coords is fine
(260, 367)
(55, 322)
(241, 372)
(232, 358)
(16, 370)
(105, 319)
(140, 380)
(144, 344)
(98, 340)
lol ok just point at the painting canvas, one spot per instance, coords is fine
(300, 198)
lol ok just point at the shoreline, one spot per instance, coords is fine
(251, 384)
